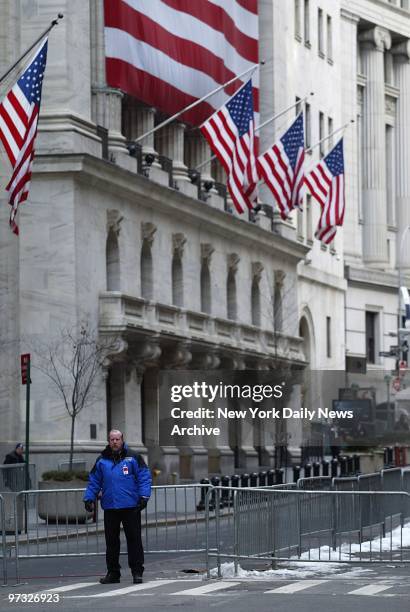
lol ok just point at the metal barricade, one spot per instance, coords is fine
(173, 523)
(392, 479)
(57, 524)
(303, 525)
(3, 548)
(406, 480)
(316, 483)
(13, 477)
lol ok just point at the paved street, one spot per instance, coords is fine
(74, 582)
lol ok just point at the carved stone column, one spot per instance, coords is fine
(144, 123)
(197, 152)
(373, 44)
(401, 54)
(106, 101)
(240, 431)
(170, 142)
(348, 25)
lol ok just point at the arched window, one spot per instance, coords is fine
(256, 302)
(147, 283)
(231, 296)
(177, 281)
(205, 288)
(112, 258)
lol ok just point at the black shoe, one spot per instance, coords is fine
(137, 578)
(110, 578)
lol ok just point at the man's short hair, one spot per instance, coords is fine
(117, 431)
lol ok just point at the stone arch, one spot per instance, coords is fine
(205, 288)
(112, 260)
(306, 331)
(232, 312)
(146, 264)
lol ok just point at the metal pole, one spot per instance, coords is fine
(27, 447)
(3, 537)
(208, 566)
(191, 106)
(319, 142)
(42, 35)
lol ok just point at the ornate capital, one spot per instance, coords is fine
(178, 244)
(379, 37)
(233, 260)
(148, 352)
(402, 51)
(206, 253)
(117, 352)
(148, 231)
(257, 269)
(178, 357)
(279, 277)
(114, 219)
(207, 361)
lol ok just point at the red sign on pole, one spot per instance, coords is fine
(397, 384)
(25, 360)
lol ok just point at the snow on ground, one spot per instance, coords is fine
(309, 564)
(293, 570)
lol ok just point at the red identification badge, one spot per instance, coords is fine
(125, 470)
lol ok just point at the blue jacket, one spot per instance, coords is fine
(123, 480)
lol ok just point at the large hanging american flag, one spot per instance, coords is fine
(282, 168)
(19, 112)
(326, 183)
(169, 53)
(231, 136)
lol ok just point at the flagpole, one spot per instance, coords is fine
(46, 31)
(329, 136)
(285, 110)
(193, 104)
(273, 118)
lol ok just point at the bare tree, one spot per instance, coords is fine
(73, 364)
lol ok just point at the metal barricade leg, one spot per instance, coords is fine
(207, 495)
(16, 537)
(3, 539)
(236, 531)
(217, 530)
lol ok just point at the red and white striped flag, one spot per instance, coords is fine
(282, 168)
(19, 112)
(326, 183)
(169, 53)
(230, 133)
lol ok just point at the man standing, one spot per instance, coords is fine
(14, 476)
(125, 482)
(15, 456)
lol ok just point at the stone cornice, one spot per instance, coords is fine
(358, 7)
(105, 176)
(375, 278)
(349, 16)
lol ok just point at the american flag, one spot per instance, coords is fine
(169, 53)
(230, 133)
(282, 168)
(19, 112)
(326, 183)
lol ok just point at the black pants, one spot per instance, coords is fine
(131, 520)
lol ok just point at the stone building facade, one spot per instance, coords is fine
(120, 236)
